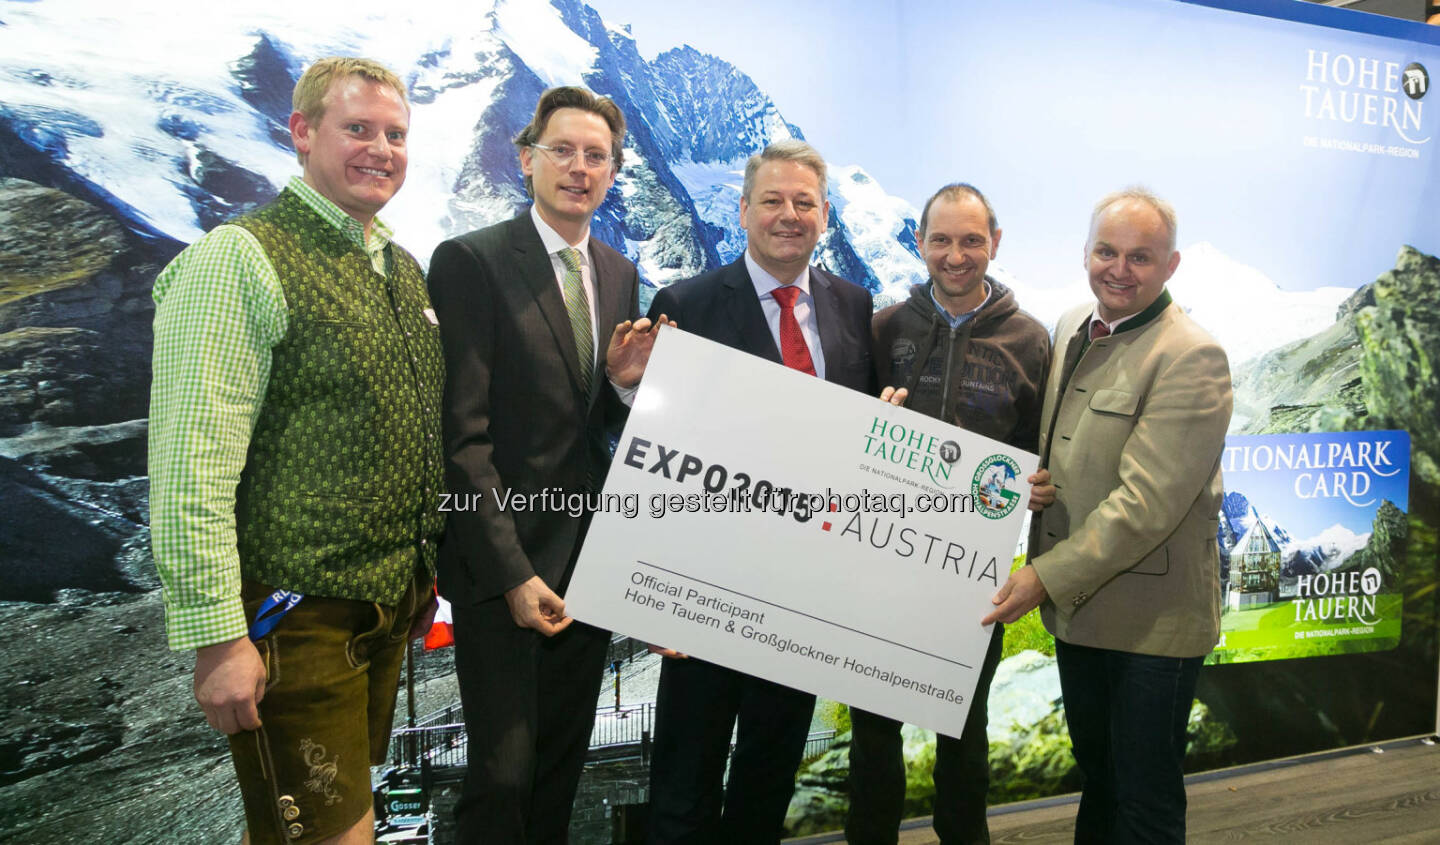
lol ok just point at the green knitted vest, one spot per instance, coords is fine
(340, 489)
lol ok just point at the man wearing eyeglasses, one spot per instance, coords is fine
(534, 375)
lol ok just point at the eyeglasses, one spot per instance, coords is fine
(563, 155)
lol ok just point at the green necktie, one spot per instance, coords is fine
(577, 305)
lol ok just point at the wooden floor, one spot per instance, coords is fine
(1389, 794)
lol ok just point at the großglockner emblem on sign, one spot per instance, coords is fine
(992, 484)
(1416, 81)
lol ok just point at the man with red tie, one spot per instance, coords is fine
(771, 303)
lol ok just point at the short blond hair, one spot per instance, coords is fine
(1145, 195)
(309, 95)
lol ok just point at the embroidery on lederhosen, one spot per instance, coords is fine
(322, 773)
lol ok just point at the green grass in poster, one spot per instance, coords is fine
(1270, 632)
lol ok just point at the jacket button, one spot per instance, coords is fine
(294, 830)
(291, 813)
(286, 801)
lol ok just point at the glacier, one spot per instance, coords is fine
(176, 124)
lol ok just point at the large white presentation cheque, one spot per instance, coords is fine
(802, 532)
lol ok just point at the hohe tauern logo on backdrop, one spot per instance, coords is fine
(1366, 91)
(1417, 81)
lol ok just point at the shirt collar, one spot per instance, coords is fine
(1136, 320)
(764, 282)
(380, 233)
(959, 319)
(552, 240)
(1112, 327)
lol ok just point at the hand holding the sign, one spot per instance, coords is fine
(668, 652)
(1021, 594)
(534, 605)
(629, 349)
(894, 396)
(1042, 491)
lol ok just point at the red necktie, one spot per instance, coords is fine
(1098, 329)
(792, 343)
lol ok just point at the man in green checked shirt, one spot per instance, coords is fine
(295, 452)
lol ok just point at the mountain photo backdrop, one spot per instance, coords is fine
(127, 131)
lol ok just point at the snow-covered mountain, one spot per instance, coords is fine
(1329, 549)
(1247, 312)
(1240, 306)
(1325, 552)
(1237, 515)
(176, 123)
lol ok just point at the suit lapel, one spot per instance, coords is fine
(1071, 345)
(746, 314)
(610, 303)
(538, 274)
(828, 321)
(1074, 348)
(610, 297)
(606, 297)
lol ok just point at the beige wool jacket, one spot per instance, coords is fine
(1133, 439)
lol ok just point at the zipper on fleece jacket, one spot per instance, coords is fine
(947, 410)
(945, 379)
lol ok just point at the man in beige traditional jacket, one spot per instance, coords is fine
(1124, 565)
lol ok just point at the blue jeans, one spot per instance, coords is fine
(1127, 715)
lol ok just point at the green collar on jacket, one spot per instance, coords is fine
(1151, 312)
(1139, 320)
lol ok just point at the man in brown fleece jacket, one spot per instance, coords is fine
(969, 356)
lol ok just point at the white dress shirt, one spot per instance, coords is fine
(553, 246)
(804, 309)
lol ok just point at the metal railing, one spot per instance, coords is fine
(623, 726)
(436, 743)
(437, 739)
(446, 716)
(818, 743)
(431, 746)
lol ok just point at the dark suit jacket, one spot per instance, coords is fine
(721, 305)
(698, 701)
(515, 418)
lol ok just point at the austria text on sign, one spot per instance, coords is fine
(805, 533)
